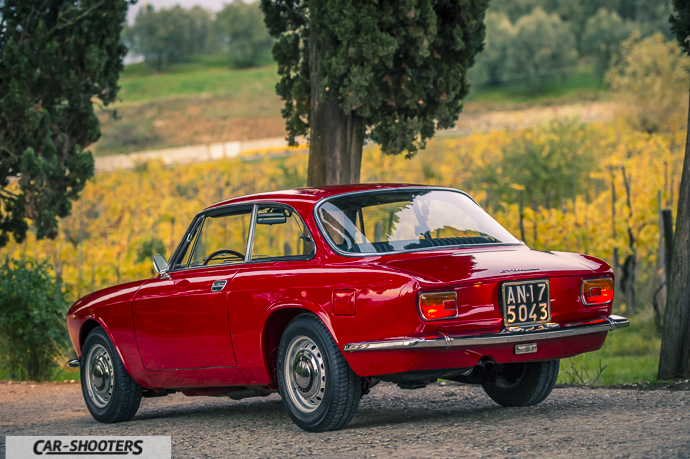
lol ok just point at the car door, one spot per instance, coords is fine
(181, 317)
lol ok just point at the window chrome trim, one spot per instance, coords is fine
(199, 219)
(336, 250)
(285, 258)
(250, 238)
(197, 236)
(606, 324)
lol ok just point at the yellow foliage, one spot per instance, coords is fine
(650, 78)
(120, 211)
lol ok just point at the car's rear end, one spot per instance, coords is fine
(507, 309)
(483, 307)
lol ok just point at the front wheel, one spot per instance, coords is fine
(522, 384)
(110, 393)
(319, 389)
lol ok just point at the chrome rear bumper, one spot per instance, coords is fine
(513, 335)
(74, 363)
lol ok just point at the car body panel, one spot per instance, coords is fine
(181, 324)
(174, 336)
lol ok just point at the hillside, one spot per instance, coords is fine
(204, 101)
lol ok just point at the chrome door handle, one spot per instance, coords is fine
(218, 286)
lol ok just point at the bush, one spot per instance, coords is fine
(542, 51)
(239, 28)
(168, 36)
(490, 64)
(602, 36)
(549, 163)
(32, 320)
(650, 78)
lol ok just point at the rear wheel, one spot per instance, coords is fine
(110, 393)
(319, 389)
(522, 384)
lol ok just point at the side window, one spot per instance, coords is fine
(280, 233)
(222, 239)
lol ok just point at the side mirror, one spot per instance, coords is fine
(159, 264)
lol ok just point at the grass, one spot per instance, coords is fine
(60, 374)
(582, 85)
(630, 355)
(209, 75)
(204, 101)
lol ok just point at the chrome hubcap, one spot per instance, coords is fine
(305, 374)
(99, 377)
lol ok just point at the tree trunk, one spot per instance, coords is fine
(674, 361)
(336, 137)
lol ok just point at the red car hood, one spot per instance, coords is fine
(515, 262)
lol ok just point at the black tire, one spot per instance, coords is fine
(333, 391)
(522, 384)
(110, 393)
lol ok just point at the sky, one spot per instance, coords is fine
(213, 5)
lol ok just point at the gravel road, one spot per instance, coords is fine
(443, 420)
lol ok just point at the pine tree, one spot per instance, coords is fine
(57, 57)
(392, 71)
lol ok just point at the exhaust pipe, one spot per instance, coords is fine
(487, 364)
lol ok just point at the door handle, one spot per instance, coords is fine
(218, 286)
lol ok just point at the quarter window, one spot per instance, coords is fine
(280, 234)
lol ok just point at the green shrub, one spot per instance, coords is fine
(542, 51)
(32, 320)
(602, 36)
(239, 28)
(649, 77)
(490, 67)
(168, 36)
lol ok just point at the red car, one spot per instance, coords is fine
(319, 293)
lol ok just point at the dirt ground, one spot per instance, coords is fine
(442, 420)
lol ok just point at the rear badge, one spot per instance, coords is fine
(529, 348)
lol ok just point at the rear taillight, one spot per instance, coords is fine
(597, 291)
(437, 306)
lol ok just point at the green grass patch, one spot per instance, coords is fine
(60, 374)
(209, 75)
(630, 355)
(582, 85)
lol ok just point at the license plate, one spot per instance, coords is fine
(526, 302)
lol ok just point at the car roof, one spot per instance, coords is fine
(313, 194)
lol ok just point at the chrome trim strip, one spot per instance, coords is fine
(612, 323)
(337, 251)
(250, 238)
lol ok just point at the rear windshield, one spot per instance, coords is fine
(406, 220)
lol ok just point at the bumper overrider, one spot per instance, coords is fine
(512, 335)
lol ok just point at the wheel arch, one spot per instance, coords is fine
(274, 327)
(86, 328)
(90, 324)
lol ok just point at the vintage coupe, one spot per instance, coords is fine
(319, 293)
